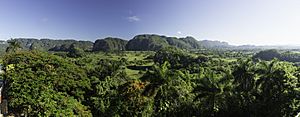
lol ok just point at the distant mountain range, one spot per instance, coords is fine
(144, 42)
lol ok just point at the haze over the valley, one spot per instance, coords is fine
(238, 22)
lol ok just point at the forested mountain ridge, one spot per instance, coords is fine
(146, 42)
(51, 44)
(143, 42)
(109, 44)
(47, 44)
(156, 42)
(214, 44)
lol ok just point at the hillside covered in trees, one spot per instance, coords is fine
(110, 44)
(275, 54)
(46, 44)
(156, 42)
(145, 42)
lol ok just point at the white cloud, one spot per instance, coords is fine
(179, 32)
(133, 19)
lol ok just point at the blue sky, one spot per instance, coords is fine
(260, 22)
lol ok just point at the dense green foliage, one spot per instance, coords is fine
(179, 83)
(109, 44)
(14, 46)
(271, 54)
(179, 59)
(145, 42)
(168, 82)
(148, 42)
(49, 44)
(40, 84)
(3, 47)
(267, 55)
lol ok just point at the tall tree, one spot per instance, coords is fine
(212, 90)
(14, 45)
(277, 89)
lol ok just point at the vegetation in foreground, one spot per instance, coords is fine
(169, 82)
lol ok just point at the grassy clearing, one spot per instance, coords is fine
(133, 58)
(134, 74)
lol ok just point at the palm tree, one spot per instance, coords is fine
(212, 90)
(269, 75)
(275, 87)
(244, 75)
(159, 77)
(244, 80)
(14, 46)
